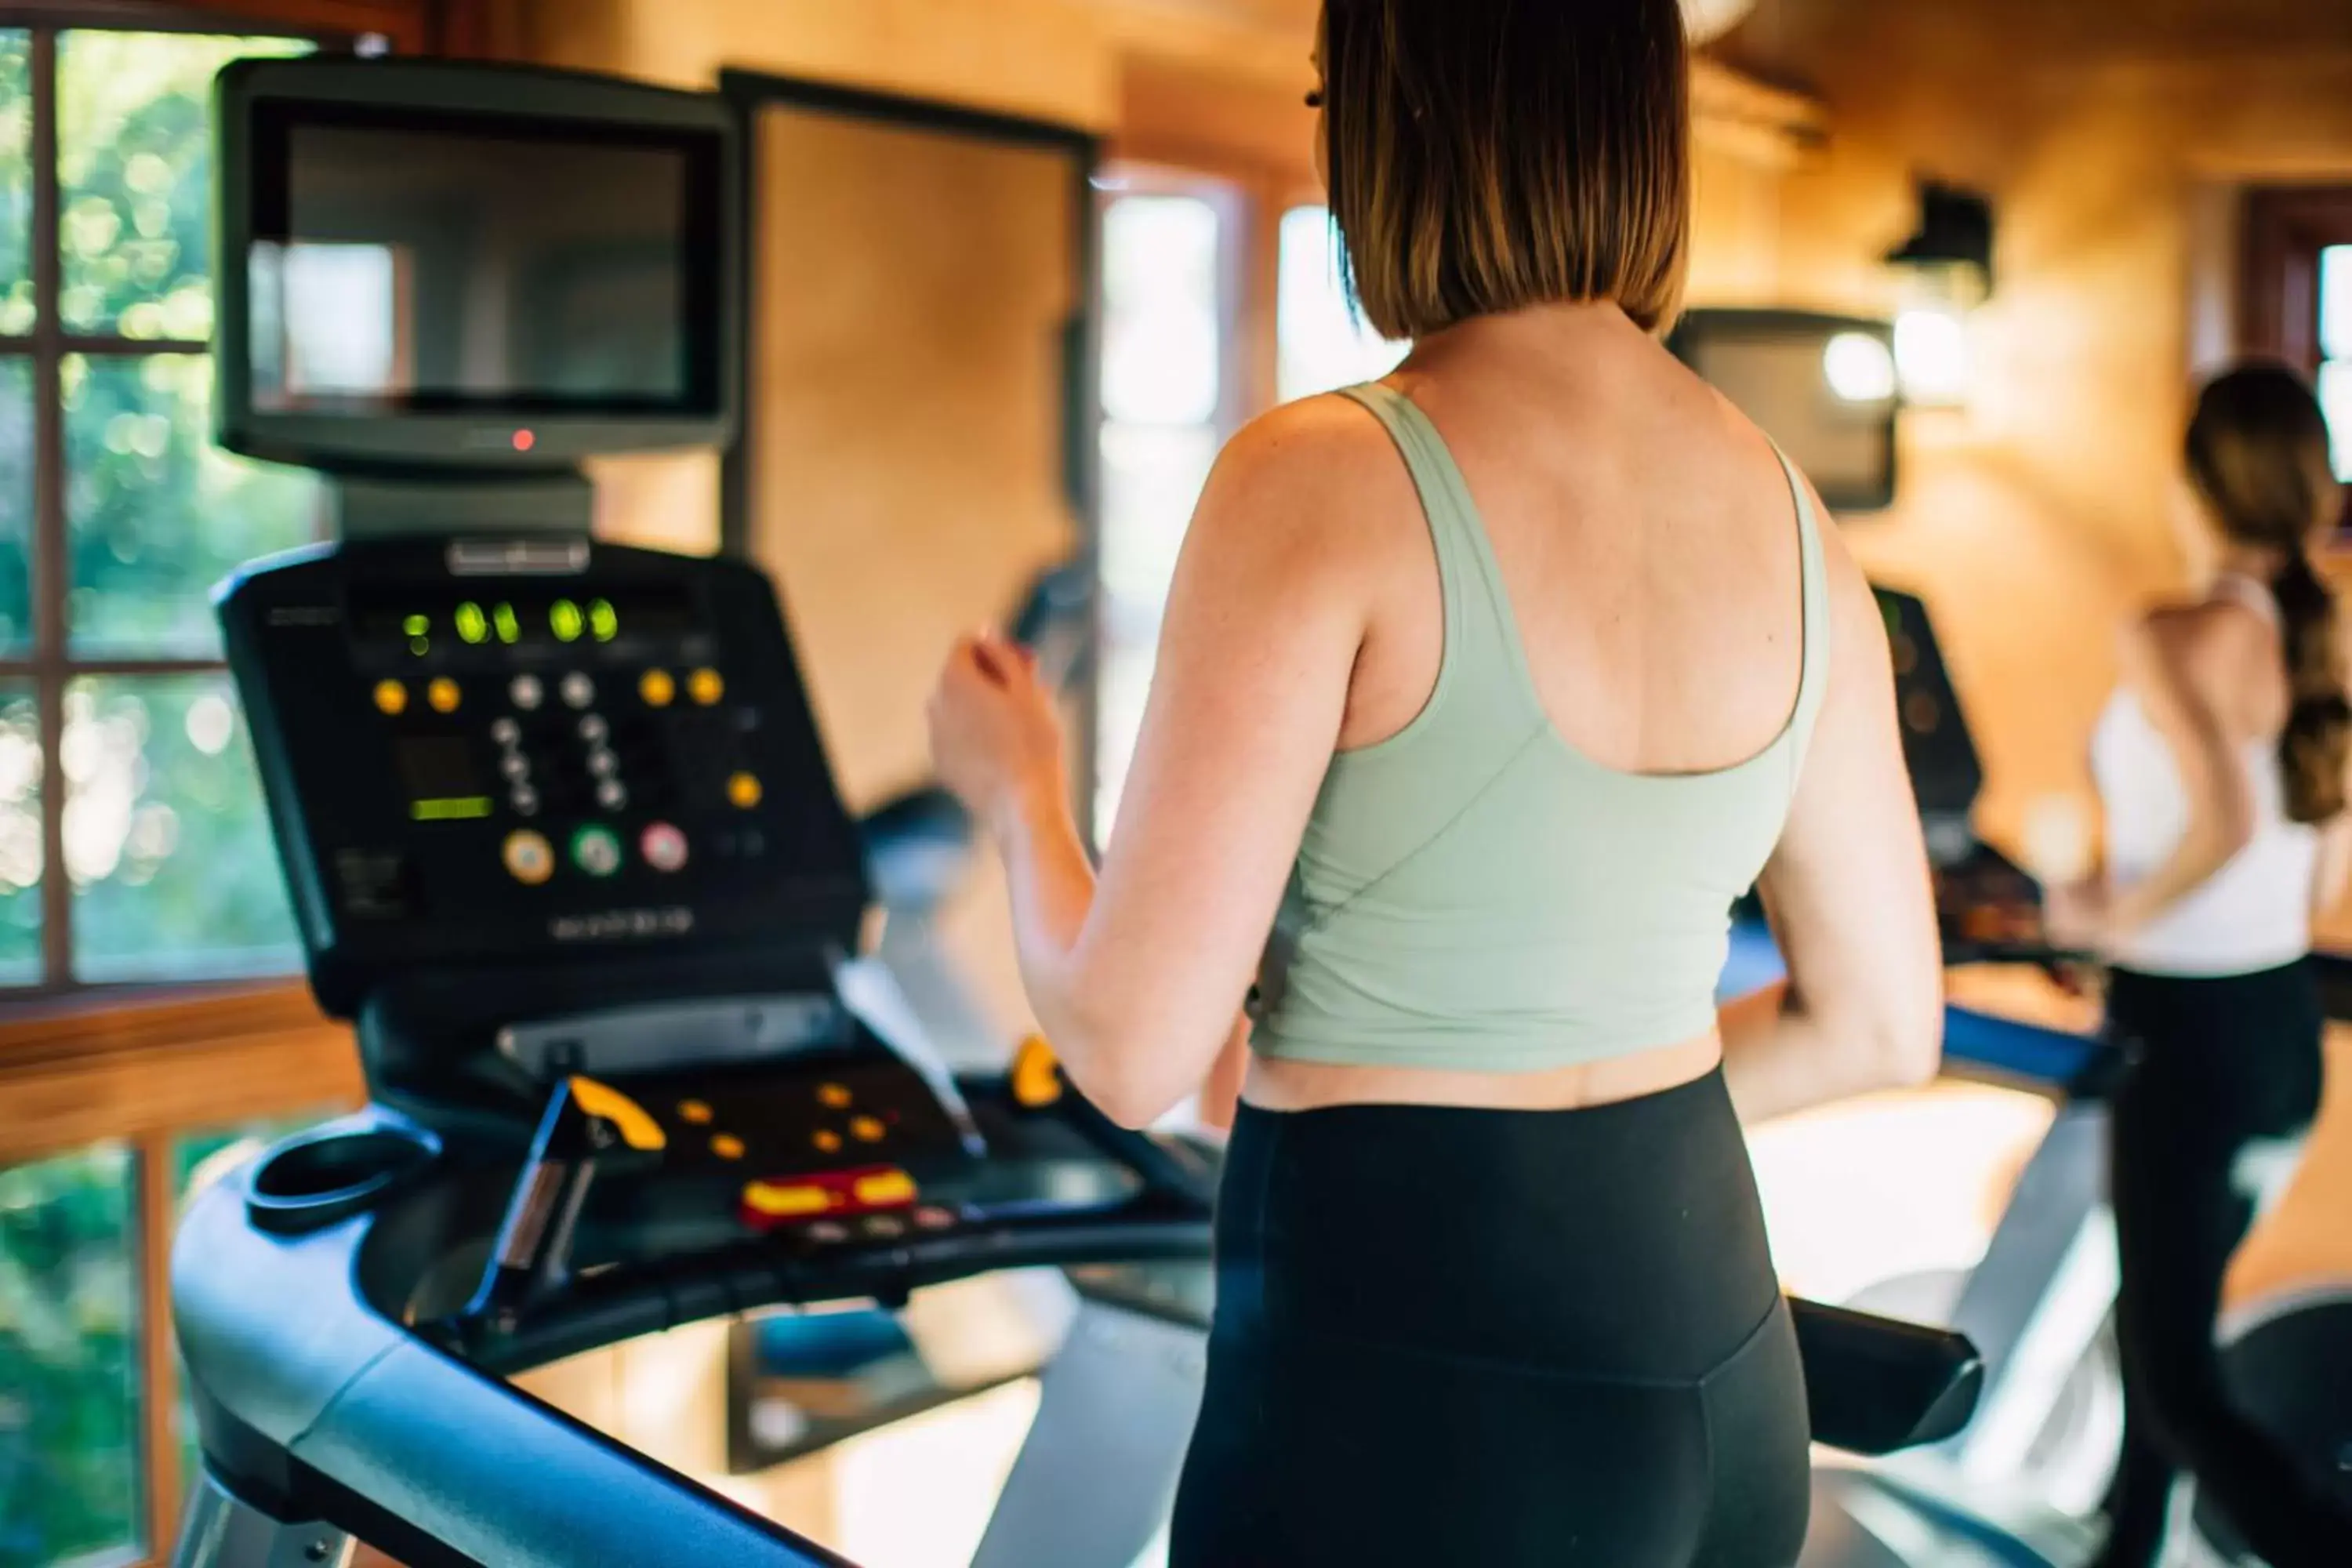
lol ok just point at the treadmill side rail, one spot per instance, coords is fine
(372, 1432)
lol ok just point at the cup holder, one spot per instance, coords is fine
(323, 1177)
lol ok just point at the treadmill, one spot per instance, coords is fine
(562, 845)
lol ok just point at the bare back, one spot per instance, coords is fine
(1645, 530)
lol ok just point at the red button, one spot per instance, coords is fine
(663, 847)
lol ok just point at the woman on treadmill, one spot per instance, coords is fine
(1487, 689)
(2221, 761)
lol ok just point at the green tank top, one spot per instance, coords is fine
(1474, 892)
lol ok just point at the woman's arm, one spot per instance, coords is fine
(1138, 979)
(1848, 895)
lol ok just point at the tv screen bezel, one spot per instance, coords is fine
(253, 96)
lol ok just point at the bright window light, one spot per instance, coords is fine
(1931, 354)
(1860, 367)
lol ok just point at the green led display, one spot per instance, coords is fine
(509, 626)
(473, 625)
(604, 621)
(564, 618)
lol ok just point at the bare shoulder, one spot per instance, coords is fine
(2208, 644)
(1308, 482)
(1857, 625)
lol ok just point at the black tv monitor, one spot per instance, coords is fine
(426, 265)
(1822, 387)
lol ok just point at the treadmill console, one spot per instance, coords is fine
(1988, 908)
(483, 753)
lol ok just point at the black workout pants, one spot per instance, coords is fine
(2213, 1067)
(1450, 1336)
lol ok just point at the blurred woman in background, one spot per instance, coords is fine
(2220, 762)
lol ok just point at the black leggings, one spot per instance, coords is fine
(2212, 1067)
(1499, 1338)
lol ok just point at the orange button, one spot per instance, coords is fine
(706, 686)
(828, 1141)
(529, 857)
(391, 699)
(444, 695)
(694, 1111)
(884, 1187)
(787, 1203)
(743, 791)
(726, 1146)
(657, 688)
(832, 1096)
(1036, 1078)
(866, 1130)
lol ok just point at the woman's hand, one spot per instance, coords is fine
(996, 735)
(2078, 917)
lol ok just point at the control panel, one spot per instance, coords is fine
(481, 753)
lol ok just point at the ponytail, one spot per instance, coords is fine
(2318, 742)
(2257, 452)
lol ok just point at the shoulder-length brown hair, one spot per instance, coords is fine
(1489, 155)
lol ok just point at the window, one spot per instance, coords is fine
(132, 840)
(2297, 295)
(2335, 350)
(1177, 381)
(1166, 409)
(70, 1482)
(1322, 343)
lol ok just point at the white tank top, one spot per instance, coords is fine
(2253, 914)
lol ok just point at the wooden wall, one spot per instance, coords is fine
(2036, 517)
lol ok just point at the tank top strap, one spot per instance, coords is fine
(2250, 592)
(1483, 651)
(1813, 590)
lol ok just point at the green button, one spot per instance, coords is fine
(596, 851)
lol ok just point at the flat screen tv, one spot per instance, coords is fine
(1822, 387)
(481, 268)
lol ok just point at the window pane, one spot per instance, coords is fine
(2336, 397)
(20, 841)
(1151, 479)
(198, 1160)
(1161, 354)
(2336, 301)
(17, 314)
(15, 504)
(175, 876)
(1322, 345)
(135, 177)
(156, 514)
(70, 1348)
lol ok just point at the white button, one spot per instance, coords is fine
(525, 800)
(505, 731)
(610, 795)
(513, 765)
(525, 692)
(592, 728)
(603, 764)
(578, 689)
